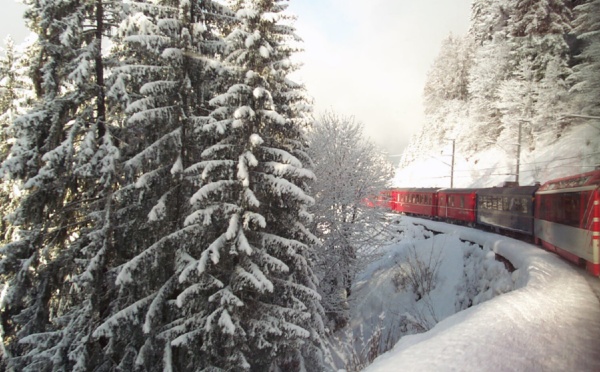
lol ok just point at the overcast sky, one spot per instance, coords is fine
(368, 59)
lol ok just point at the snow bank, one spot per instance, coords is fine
(550, 322)
(420, 279)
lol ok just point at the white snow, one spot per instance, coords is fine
(550, 321)
(256, 140)
(575, 152)
(264, 52)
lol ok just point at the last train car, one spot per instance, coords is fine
(415, 201)
(567, 218)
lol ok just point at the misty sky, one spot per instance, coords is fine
(368, 59)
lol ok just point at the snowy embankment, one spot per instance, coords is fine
(549, 322)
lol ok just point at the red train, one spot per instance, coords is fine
(561, 215)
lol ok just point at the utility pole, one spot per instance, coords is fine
(452, 167)
(518, 153)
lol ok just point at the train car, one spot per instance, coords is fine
(421, 202)
(567, 218)
(458, 205)
(507, 208)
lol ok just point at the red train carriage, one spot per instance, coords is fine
(457, 204)
(567, 218)
(422, 202)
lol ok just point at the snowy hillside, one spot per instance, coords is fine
(524, 77)
(550, 320)
(575, 152)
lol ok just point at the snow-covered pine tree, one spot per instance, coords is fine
(446, 89)
(64, 157)
(490, 67)
(536, 35)
(349, 170)
(488, 18)
(586, 84)
(15, 96)
(251, 293)
(167, 50)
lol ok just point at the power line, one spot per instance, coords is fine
(523, 170)
(532, 163)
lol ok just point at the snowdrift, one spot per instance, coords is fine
(549, 322)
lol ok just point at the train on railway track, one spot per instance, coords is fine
(561, 215)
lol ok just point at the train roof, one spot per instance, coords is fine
(513, 190)
(580, 180)
(417, 189)
(458, 191)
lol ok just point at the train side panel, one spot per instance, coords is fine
(594, 265)
(567, 218)
(419, 202)
(507, 208)
(457, 205)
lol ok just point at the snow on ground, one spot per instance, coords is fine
(550, 321)
(577, 151)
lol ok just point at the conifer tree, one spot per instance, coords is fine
(167, 52)
(446, 89)
(488, 18)
(490, 67)
(540, 53)
(15, 96)
(586, 88)
(63, 154)
(249, 283)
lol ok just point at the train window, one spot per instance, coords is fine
(524, 208)
(462, 201)
(546, 208)
(516, 205)
(505, 205)
(563, 208)
(571, 209)
(451, 200)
